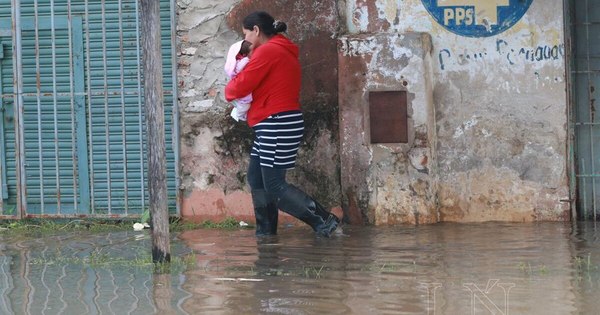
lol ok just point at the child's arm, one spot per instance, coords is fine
(241, 64)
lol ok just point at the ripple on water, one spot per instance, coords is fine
(541, 268)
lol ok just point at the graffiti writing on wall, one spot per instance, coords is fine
(510, 55)
(477, 18)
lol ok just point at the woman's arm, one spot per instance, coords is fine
(250, 77)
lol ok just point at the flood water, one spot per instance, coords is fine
(491, 268)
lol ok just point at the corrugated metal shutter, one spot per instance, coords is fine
(109, 134)
(50, 115)
(586, 80)
(117, 134)
(7, 131)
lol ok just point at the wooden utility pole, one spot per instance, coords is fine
(155, 128)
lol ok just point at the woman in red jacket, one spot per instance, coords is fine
(273, 77)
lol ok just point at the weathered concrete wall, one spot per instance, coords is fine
(491, 128)
(500, 111)
(393, 182)
(214, 148)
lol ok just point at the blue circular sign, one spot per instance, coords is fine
(477, 18)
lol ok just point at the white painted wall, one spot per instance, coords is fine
(500, 105)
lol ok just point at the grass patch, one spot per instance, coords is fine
(47, 226)
(529, 270)
(52, 226)
(97, 259)
(309, 272)
(227, 224)
(582, 266)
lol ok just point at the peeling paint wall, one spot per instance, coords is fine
(488, 114)
(387, 183)
(500, 111)
(214, 148)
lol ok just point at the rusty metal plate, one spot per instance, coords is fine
(388, 117)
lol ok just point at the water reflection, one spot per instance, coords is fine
(74, 274)
(492, 268)
(585, 250)
(439, 269)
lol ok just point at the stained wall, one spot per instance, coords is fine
(214, 148)
(488, 111)
(499, 106)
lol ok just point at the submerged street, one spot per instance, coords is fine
(489, 268)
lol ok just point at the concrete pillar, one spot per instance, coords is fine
(396, 182)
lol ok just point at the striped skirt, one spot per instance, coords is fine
(277, 139)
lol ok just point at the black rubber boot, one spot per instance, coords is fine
(265, 213)
(299, 205)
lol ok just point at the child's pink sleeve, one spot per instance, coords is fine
(241, 64)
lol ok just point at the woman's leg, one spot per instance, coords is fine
(295, 202)
(274, 180)
(265, 209)
(273, 155)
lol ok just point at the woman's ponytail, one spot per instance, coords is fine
(279, 26)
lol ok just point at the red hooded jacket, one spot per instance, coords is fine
(273, 76)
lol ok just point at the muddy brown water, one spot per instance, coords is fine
(490, 268)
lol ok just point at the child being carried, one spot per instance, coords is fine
(237, 58)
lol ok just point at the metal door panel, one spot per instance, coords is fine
(81, 129)
(586, 78)
(53, 160)
(7, 119)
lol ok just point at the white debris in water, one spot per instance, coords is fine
(138, 226)
(239, 279)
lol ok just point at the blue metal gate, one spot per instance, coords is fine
(72, 139)
(584, 20)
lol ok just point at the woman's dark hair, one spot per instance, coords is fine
(265, 22)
